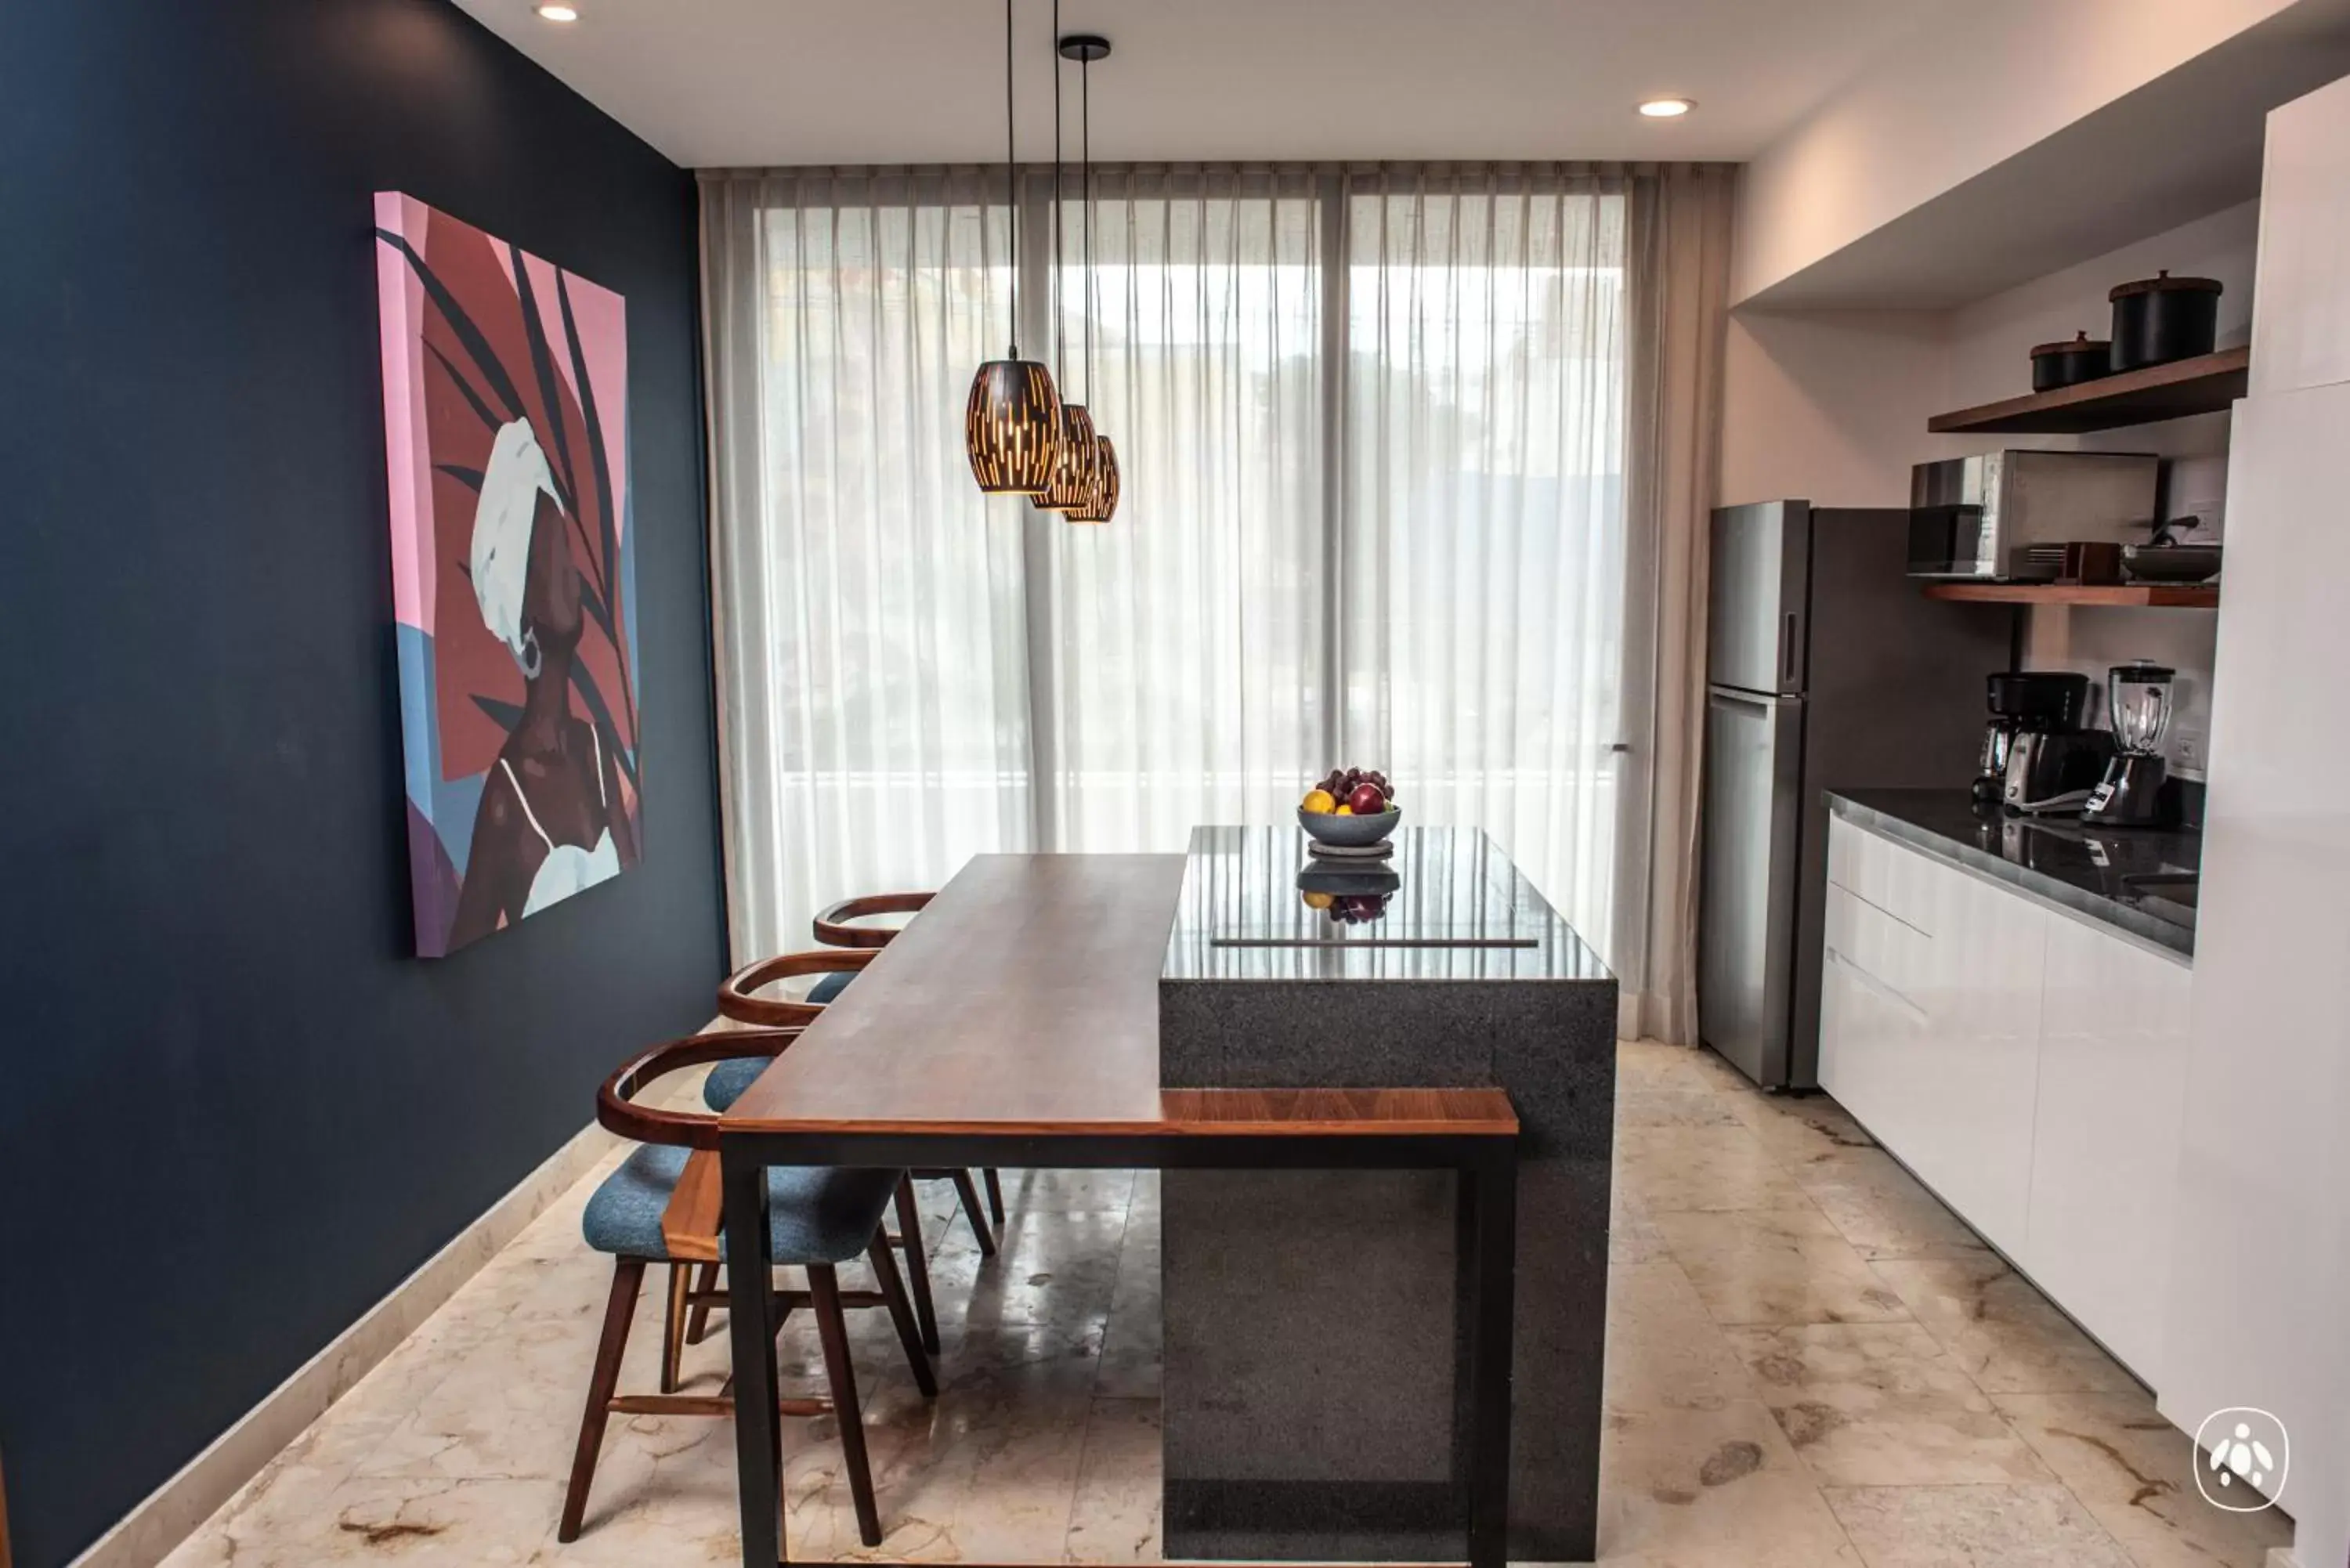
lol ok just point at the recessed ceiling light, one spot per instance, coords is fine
(1667, 108)
(558, 13)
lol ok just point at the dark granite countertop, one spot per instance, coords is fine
(1448, 904)
(2090, 870)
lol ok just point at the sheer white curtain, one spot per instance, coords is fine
(1482, 528)
(870, 614)
(1374, 427)
(1189, 654)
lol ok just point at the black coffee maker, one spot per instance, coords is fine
(2022, 702)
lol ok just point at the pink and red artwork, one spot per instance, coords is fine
(512, 549)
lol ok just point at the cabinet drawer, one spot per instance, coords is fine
(1894, 878)
(1896, 956)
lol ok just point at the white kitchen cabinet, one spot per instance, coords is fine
(1937, 975)
(1983, 1058)
(2028, 1065)
(2114, 1034)
(2300, 300)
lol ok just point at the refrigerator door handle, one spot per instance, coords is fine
(1788, 628)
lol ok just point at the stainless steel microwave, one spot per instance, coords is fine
(1983, 516)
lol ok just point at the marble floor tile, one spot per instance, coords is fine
(1133, 1343)
(1974, 1527)
(1632, 1236)
(1650, 1064)
(1672, 1168)
(1796, 1128)
(1117, 1513)
(1882, 1209)
(1710, 1489)
(2134, 1471)
(1777, 1266)
(417, 1522)
(1642, 1108)
(1881, 1404)
(1664, 1351)
(1059, 1269)
(2003, 1333)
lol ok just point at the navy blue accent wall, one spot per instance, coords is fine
(235, 1110)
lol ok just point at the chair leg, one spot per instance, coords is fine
(823, 1292)
(627, 1279)
(995, 1180)
(901, 1313)
(975, 1213)
(697, 1322)
(681, 1275)
(918, 1262)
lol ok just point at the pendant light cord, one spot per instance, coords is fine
(1011, 176)
(1060, 357)
(1085, 118)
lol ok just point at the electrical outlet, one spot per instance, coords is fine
(2187, 752)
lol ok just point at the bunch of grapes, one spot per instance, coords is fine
(1344, 782)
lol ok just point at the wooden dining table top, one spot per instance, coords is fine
(1024, 1000)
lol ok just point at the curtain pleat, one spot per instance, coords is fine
(1415, 459)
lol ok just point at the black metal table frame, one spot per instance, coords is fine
(1485, 1164)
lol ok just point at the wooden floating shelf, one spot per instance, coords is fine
(2142, 596)
(2202, 385)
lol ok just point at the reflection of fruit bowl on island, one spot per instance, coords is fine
(1373, 878)
(1348, 832)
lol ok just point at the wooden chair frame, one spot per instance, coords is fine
(832, 929)
(617, 1110)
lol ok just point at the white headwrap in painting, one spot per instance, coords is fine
(502, 521)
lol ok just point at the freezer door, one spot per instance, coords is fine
(1758, 595)
(1753, 768)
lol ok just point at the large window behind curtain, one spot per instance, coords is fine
(1371, 428)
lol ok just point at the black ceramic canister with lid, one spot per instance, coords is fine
(2161, 318)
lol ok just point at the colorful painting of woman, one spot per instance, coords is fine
(505, 393)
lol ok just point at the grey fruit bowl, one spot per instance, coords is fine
(1350, 832)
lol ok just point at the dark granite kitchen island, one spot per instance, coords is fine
(1313, 1319)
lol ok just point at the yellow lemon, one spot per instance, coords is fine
(1343, 811)
(1319, 801)
(1318, 900)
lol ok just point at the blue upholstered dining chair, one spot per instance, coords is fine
(663, 1205)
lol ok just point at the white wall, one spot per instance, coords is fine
(1984, 82)
(1832, 406)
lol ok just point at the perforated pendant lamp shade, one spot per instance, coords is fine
(1102, 506)
(1011, 424)
(1075, 462)
(1011, 427)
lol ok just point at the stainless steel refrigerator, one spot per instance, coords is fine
(1826, 668)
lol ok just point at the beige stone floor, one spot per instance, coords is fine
(1810, 1363)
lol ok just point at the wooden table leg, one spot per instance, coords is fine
(751, 1322)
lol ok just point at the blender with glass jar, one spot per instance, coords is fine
(2137, 704)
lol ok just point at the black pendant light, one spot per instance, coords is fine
(1099, 503)
(1012, 425)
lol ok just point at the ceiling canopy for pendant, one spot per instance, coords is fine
(1011, 424)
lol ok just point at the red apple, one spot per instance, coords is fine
(1368, 800)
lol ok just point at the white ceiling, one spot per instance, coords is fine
(746, 82)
